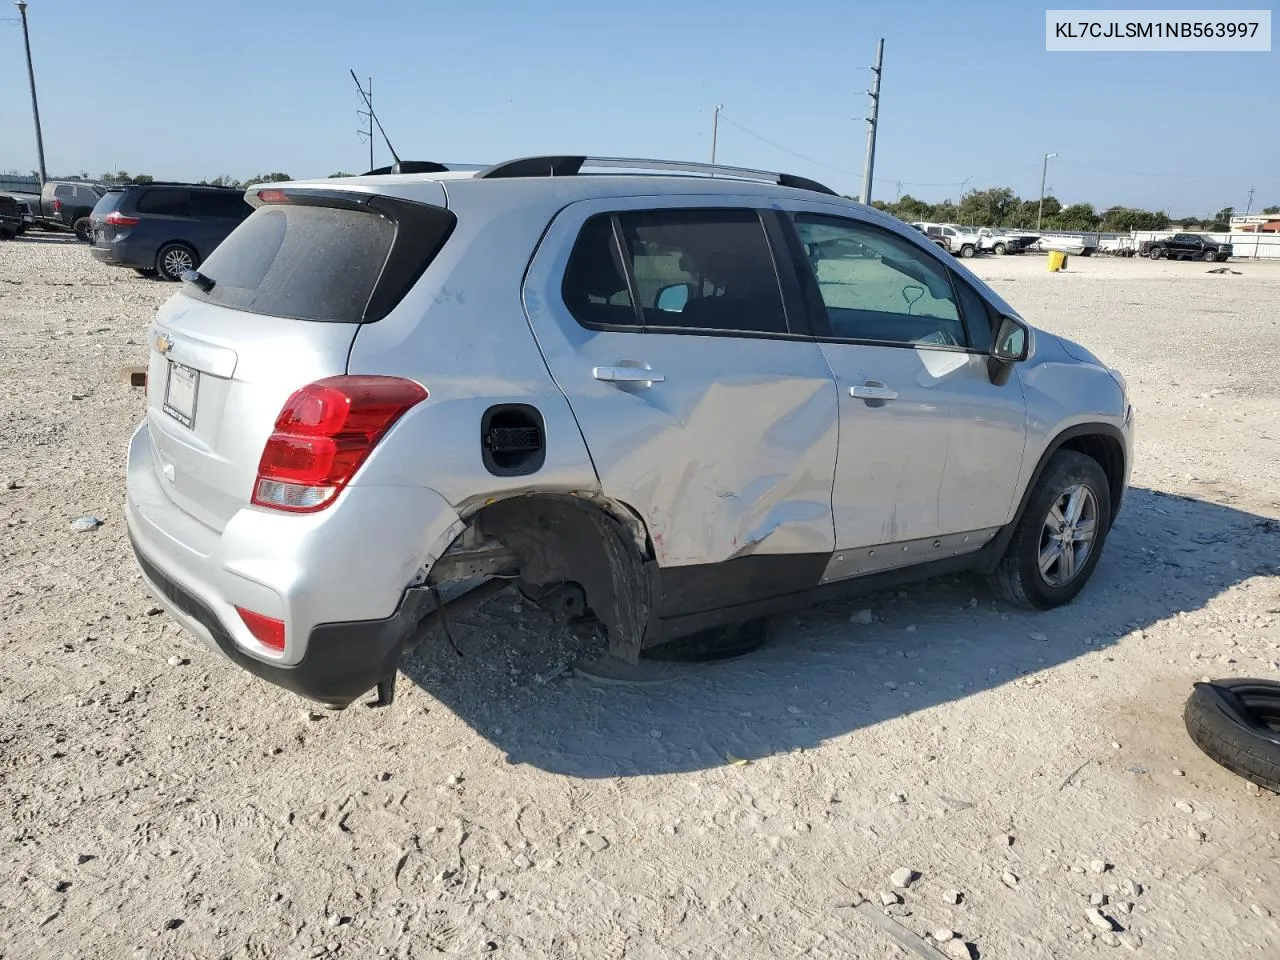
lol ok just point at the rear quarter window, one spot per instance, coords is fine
(302, 262)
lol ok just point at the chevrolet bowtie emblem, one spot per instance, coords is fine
(164, 344)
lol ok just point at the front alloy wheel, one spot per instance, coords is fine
(1066, 539)
(1059, 538)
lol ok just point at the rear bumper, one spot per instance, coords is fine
(122, 255)
(338, 580)
(341, 662)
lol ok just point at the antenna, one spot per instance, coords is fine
(368, 102)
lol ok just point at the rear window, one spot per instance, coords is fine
(168, 203)
(110, 201)
(300, 261)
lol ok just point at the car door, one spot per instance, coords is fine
(706, 408)
(930, 449)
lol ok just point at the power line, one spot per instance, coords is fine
(778, 146)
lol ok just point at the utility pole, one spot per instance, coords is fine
(35, 107)
(1043, 174)
(869, 168)
(715, 131)
(1250, 206)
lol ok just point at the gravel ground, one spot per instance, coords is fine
(157, 802)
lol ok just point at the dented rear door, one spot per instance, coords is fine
(705, 411)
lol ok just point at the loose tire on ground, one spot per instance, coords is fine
(1022, 576)
(1236, 722)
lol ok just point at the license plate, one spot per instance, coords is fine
(180, 394)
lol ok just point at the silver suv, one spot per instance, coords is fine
(665, 396)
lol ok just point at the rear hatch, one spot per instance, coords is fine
(275, 307)
(106, 221)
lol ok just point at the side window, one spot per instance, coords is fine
(169, 203)
(64, 191)
(704, 270)
(595, 284)
(894, 293)
(225, 206)
(978, 320)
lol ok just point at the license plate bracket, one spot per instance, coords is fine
(180, 392)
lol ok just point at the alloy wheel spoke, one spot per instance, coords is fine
(1049, 555)
(1067, 565)
(1075, 504)
(1084, 530)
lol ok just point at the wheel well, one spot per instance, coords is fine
(547, 539)
(1109, 455)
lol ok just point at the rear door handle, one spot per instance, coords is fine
(872, 390)
(626, 374)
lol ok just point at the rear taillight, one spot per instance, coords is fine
(119, 220)
(322, 436)
(268, 631)
(57, 206)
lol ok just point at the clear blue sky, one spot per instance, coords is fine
(198, 89)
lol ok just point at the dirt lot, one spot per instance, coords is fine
(158, 803)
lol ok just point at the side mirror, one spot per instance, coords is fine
(673, 298)
(1009, 347)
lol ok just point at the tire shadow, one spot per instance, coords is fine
(823, 675)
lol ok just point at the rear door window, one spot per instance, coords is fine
(167, 203)
(703, 270)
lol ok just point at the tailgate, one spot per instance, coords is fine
(274, 308)
(216, 380)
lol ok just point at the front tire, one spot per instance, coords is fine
(173, 259)
(999, 249)
(966, 251)
(1058, 541)
(1209, 256)
(1155, 253)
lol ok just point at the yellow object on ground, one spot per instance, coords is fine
(1057, 260)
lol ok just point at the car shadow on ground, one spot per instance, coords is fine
(823, 674)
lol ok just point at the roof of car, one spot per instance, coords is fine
(608, 176)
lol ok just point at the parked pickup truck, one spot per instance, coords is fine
(66, 205)
(954, 239)
(999, 241)
(1186, 246)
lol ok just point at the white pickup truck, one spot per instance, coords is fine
(960, 241)
(999, 241)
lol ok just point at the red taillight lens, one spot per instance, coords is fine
(323, 435)
(266, 630)
(119, 220)
(57, 206)
(273, 196)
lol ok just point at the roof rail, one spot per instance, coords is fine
(408, 166)
(569, 166)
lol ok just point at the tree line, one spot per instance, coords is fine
(1001, 207)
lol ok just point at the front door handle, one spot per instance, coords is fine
(873, 390)
(627, 373)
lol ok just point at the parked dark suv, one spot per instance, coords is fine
(166, 228)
